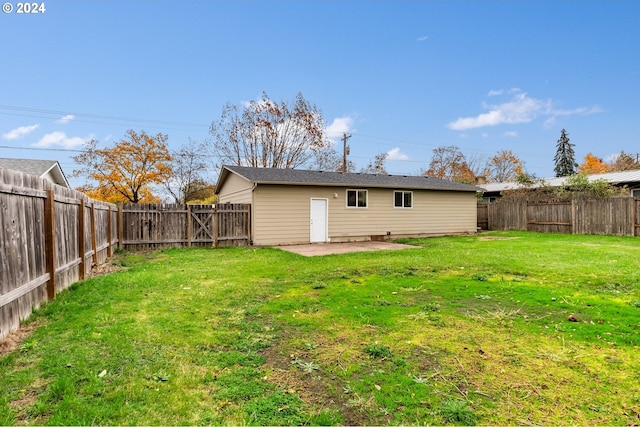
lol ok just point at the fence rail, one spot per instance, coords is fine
(155, 226)
(51, 236)
(613, 216)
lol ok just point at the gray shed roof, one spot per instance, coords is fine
(340, 179)
(36, 167)
(614, 178)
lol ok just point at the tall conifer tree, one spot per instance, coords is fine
(565, 158)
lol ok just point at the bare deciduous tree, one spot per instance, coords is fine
(188, 165)
(448, 162)
(269, 134)
(504, 166)
(376, 166)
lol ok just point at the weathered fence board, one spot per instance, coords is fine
(509, 215)
(233, 224)
(40, 244)
(612, 216)
(636, 217)
(23, 277)
(483, 216)
(552, 217)
(155, 226)
(51, 236)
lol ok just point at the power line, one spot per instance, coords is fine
(70, 150)
(104, 123)
(42, 149)
(93, 116)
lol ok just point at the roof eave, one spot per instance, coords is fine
(356, 185)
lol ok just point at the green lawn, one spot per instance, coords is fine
(499, 328)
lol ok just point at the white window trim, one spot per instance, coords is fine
(402, 207)
(366, 198)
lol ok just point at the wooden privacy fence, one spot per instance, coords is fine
(49, 238)
(154, 226)
(612, 216)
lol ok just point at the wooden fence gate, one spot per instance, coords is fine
(155, 226)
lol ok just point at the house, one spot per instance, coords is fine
(629, 179)
(291, 206)
(47, 169)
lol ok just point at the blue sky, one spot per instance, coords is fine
(402, 77)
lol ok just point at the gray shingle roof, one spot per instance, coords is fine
(624, 177)
(36, 167)
(341, 179)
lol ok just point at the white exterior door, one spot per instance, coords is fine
(319, 221)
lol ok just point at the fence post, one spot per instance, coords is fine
(94, 244)
(50, 242)
(216, 222)
(573, 215)
(109, 242)
(634, 222)
(120, 227)
(81, 243)
(189, 225)
(248, 225)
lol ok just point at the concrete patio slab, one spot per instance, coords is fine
(320, 249)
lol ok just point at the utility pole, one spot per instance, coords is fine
(345, 151)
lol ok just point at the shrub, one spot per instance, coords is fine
(458, 413)
(378, 351)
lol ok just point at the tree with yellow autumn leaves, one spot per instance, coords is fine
(448, 162)
(593, 164)
(125, 172)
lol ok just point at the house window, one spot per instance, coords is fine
(357, 198)
(402, 199)
(635, 193)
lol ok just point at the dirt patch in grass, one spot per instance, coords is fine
(14, 339)
(27, 399)
(106, 268)
(313, 388)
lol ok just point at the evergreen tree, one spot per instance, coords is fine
(565, 158)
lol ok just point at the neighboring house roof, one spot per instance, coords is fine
(339, 179)
(49, 169)
(615, 178)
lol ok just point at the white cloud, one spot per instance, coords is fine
(395, 154)
(520, 109)
(18, 133)
(582, 111)
(511, 134)
(422, 38)
(339, 126)
(66, 119)
(60, 139)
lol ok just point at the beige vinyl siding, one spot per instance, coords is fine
(433, 212)
(235, 190)
(281, 214)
